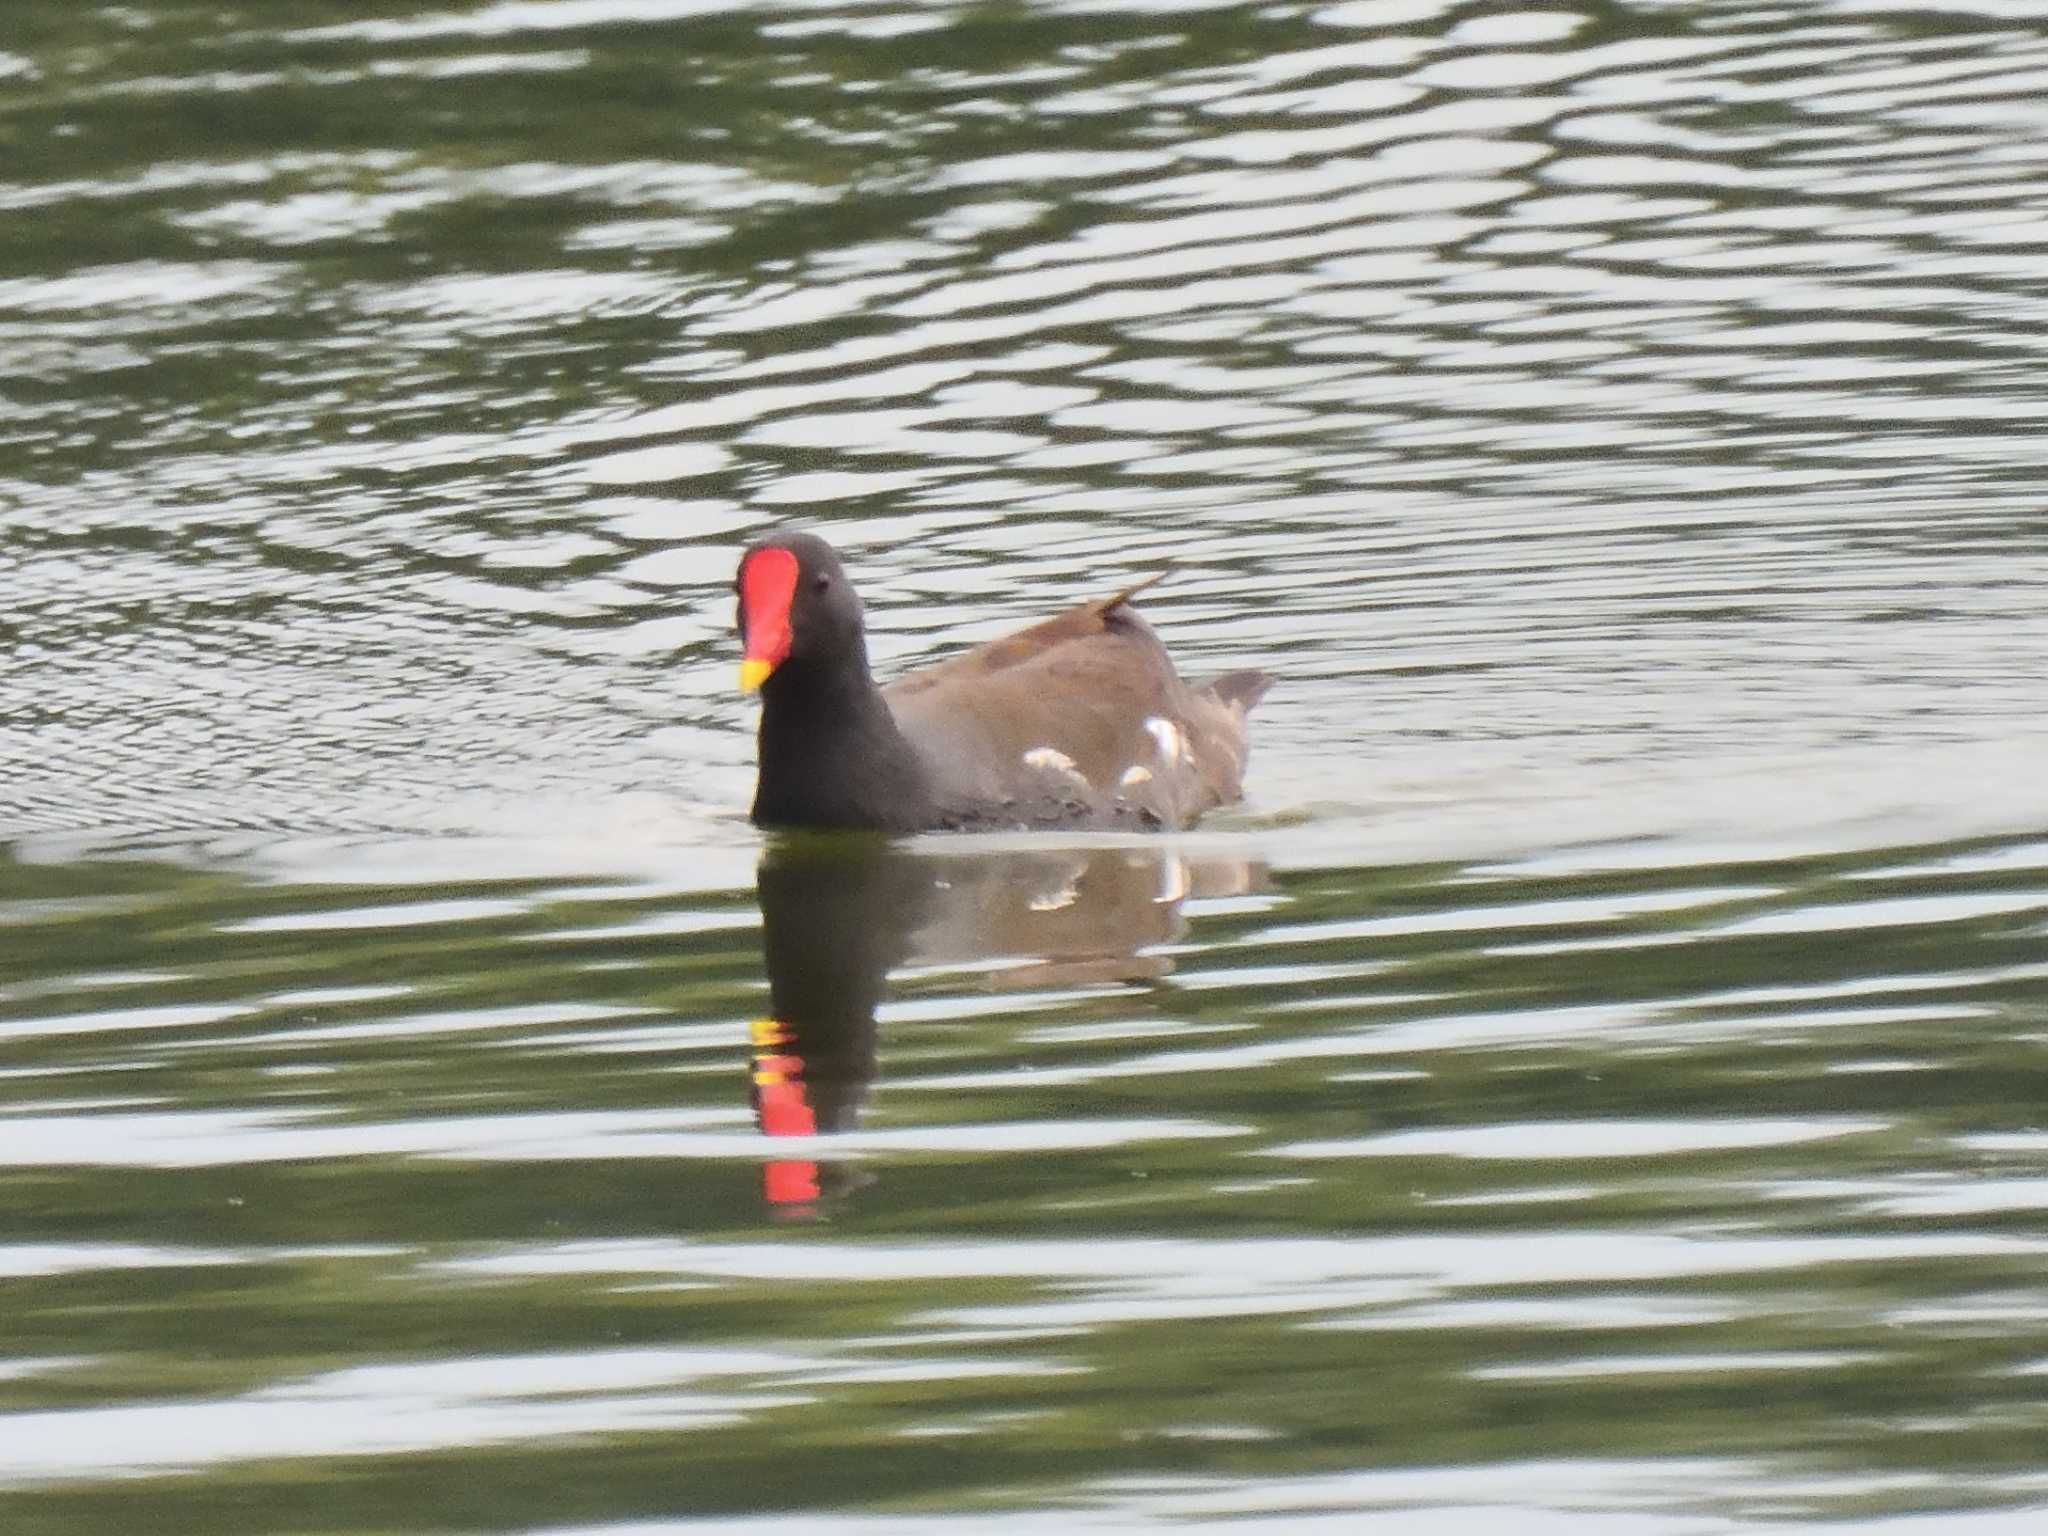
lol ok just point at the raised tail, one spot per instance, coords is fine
(1240, 690)
(1115, 600)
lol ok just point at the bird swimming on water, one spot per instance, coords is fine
(1079, 720)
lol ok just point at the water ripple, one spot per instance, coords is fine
(1591, 1084)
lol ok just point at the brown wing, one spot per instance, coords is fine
(1084, 709)
(1026, 645)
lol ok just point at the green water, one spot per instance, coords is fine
(444, 1206)
(1594, 1083)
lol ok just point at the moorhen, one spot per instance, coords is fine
(1079, 720)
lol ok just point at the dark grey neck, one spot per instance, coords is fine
(831, 754)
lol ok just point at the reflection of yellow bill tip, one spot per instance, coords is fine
(753, 673)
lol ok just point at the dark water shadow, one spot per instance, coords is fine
(839, 914)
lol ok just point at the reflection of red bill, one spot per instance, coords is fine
(782, 1109)
(789, 1183)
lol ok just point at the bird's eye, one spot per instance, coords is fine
(821, 583)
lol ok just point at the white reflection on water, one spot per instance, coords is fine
(1584, 1138)
(1533, 914)
(1974, 1196)
(1545, 1313)
(1418, 1266)
(407, 915)
(401, 1410)
(18, 1368)
(1563, 1496)
(1700, 1365)
(242, 1137)
(1902, 911)
(23, 1260)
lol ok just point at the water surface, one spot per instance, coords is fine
(1593, 1083)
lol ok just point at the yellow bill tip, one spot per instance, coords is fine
(753, 673)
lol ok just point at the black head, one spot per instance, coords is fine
(796, 607)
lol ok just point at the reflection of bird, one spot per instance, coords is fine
(833, 920)
(1067, 916)
(1078, 720)
(838, 913)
